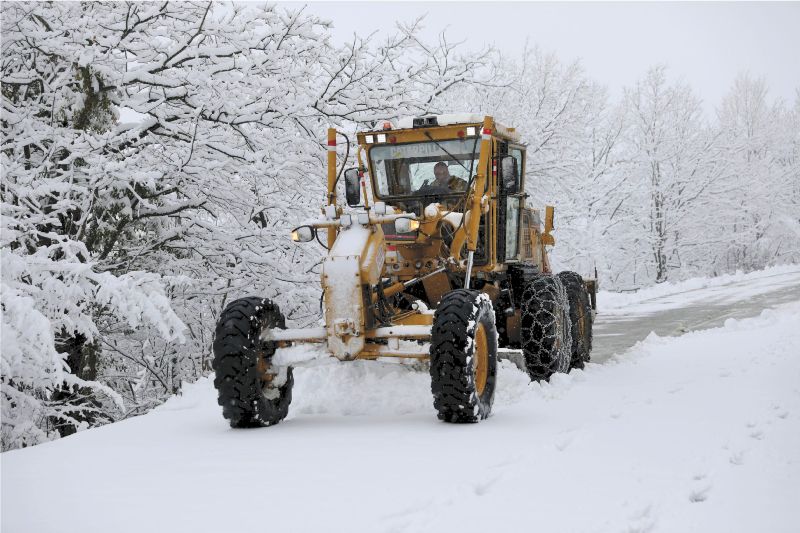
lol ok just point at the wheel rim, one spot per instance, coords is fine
(581, 322)
(263, 370)
(480, 359)
(559, 331)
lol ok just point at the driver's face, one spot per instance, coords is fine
(441, 173)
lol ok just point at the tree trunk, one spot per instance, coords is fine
(81, 356)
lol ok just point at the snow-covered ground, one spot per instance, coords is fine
(672, 309)
(693, 433)
(722, 289)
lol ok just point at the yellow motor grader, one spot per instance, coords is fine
(437, 258)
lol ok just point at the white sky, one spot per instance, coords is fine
(705, 44)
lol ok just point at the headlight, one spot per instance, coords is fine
(406, 225)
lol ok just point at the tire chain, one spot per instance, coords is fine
(578, 298)
(546, 333)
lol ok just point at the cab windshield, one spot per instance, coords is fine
(424, 168)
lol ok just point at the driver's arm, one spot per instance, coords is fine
(457, 184)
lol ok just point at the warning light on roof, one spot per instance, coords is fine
(422, 122)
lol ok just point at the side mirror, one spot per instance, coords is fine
(303, 234)
(352, 187)
(509, 175)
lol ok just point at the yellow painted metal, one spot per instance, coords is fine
(476, 209)
(492, 197)
(480, 359)
(391, 290)
(414, 319)
(547, 238)
(468, 233)
(373, 257)
(460, 238)
(492, 290)
(582, 322)
(436, 286)
(263, 370)
(591, 288)
(331, 143)
(549, 215)
(429, 224)
(437, 132)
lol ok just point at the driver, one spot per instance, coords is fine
(445, 181)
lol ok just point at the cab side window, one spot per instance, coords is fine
(527, 247)
(512, 227)
(513, 209)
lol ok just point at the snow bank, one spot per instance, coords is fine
(696, 289)
(695, 433)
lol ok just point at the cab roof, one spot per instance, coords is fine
(446, 119)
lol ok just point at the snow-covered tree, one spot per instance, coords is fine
(167, 148)
(572, 134)
(671, 169)
(760, 140)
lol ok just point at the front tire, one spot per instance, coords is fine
(251, 392)
(463, 357)
(580, 316)
(545, 328)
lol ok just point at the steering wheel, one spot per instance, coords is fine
(430, 188)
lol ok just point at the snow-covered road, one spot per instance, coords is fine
(699, 432)
(674, 309)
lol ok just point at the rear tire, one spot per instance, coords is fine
(463, 357)
(251, 393)
(580, 316)
(545, 328)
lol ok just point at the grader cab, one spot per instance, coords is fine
(436, 257)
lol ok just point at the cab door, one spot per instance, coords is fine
(511, 206)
